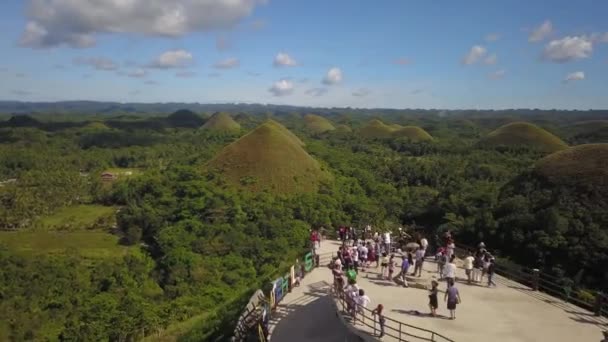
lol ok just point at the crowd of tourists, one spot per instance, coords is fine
(371, 251)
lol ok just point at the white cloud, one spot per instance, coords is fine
(227, 63)
(76, 23)
(574, 76)
(282, 88)
(185, 74)
(316, 92)
(491, 59)
(497, 75)
(599, 37)
(99, 63)
(173, 59)
(492, 37)
(474, 55)
(362, 92)
(283, 59)
(334, 76)
(568, 49)
(137, 73)
(541, 32)
(20, 92)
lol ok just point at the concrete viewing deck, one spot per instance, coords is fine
(508, 312)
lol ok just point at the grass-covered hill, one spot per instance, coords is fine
(221, 122)
(579, 165)
(518, 134)
(185, 118)
(269, 159)
(376, 129)
(285, 131)
(343, 128)
(317, 124)
(413, 133)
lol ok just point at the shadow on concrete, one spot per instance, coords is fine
(310, 317)
(419, 314)
(383, 283)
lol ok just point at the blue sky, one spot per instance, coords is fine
(399, 54)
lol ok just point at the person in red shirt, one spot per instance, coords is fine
(315, 239)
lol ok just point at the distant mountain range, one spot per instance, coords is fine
(94, 107)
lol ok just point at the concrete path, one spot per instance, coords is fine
(307, 313)
(508, 312)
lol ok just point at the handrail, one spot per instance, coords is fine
(397, 329)
(541, 281)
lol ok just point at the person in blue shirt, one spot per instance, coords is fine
(405, 265)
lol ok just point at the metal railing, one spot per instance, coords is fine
(549, 284)
(392, 328)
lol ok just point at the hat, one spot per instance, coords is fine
(482, 245)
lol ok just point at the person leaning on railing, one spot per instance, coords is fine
(381, 320)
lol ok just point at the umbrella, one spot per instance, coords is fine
(411, 246)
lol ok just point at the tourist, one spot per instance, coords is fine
(405, 265)
(433, 302)
(315, 240)
(424, 243)
(491, 269)
(355, 257)
(342, 233)
(453, 297)
(387, 242)
(451, 246)
(477, 267)
(449, 271)
(605, 332)
(384, 265)
(419, 262)
(362, 302)
(391, 267)
(441, 261)
(381, 320)
(468, 266)
(351, 274)
(363, 254)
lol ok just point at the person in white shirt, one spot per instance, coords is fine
(387, 241)
(363, 256)
(449, 271)
(424, 243)
(468, 266)
(362, 302)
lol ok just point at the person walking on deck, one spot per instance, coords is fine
(468, 266)
(491, 269)
(452, 296)
(433, 302)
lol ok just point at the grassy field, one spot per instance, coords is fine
(89, 244)
(77, 217)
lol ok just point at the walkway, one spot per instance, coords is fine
(509, 312)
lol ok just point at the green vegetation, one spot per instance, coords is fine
(317, 124)
(247, 162)
(222, 122)
(518, 134)
(412, 133)
(174, 253)
(78, 217)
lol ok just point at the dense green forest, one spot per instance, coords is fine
(175, 239)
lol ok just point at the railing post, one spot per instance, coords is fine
(433, 336)
(535, 279)
(597, 307)
(399, 331)
(374, 317)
